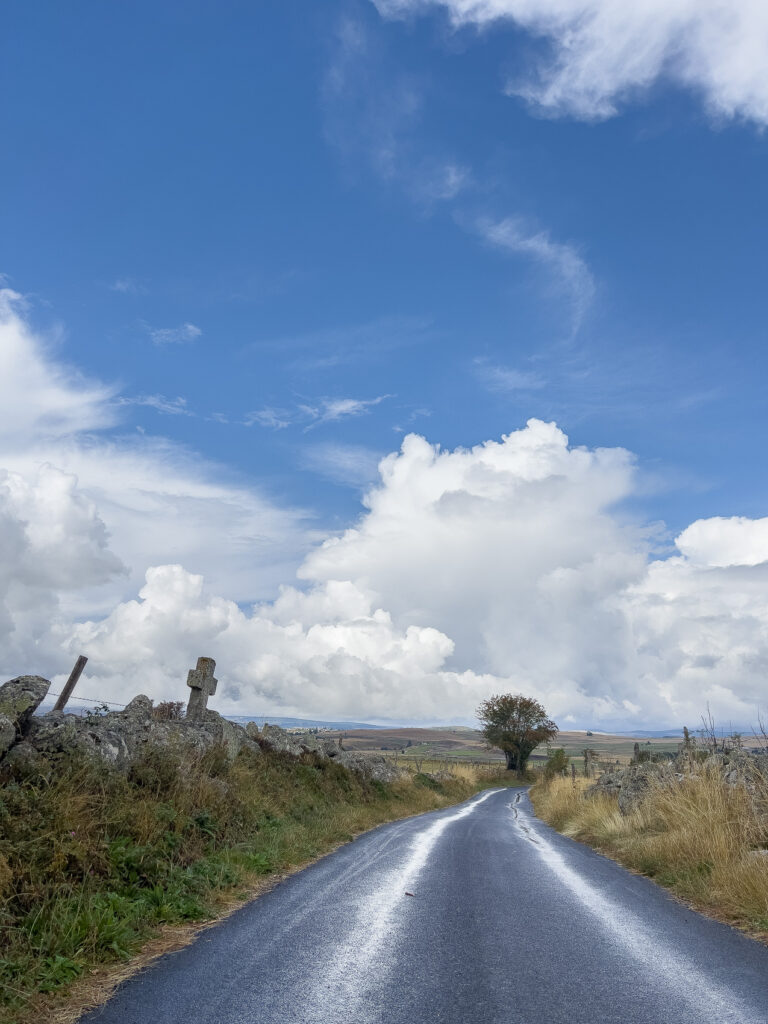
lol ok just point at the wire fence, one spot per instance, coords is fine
(90, 700)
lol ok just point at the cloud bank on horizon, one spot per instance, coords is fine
(603, 52)
(508, 565)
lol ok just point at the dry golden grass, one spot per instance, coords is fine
(703, 839)
(474, 774)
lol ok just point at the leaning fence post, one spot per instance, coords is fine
(70, 684)
(573, 773)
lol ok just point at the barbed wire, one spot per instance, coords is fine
(90, 700)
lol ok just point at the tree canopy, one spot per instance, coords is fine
(516, 725)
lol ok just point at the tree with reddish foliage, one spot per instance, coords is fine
(516, 725)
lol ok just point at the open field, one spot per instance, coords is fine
(463, 744)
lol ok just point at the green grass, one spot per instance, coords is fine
(93, 861)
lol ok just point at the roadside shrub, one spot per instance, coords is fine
(169, 711)
(557, 764)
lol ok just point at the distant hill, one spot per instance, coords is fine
(300, 723)
(649, 733)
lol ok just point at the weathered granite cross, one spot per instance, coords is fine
(203, 686)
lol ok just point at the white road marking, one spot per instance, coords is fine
(345, 983)
(673, 969)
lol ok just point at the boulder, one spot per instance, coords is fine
(60, 733)
(273, 737)
(252, 731)
(371, 766)
(19, 699)
(609, 784)
(323, 746)
(7, 733)
(639, 780)
(740, 768)
(633, 783)
(22, 758)
(216, 729)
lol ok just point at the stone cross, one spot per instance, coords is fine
(203, 685)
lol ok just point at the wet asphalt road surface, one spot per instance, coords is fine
(478, 914)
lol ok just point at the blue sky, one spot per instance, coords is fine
(285, 235)
(199, 158)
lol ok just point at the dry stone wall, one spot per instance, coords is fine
(633, 784)
(119, 737)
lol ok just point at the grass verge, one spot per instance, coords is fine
(94, 863)
(702, 839)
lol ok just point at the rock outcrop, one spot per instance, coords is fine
(7, 733)
(322, 745)
(371, 766)
(19, 699)
(274, 737)
(120, 737)
(740, 768)
(638, 782)
(632, 784)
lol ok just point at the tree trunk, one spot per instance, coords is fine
(515, 762)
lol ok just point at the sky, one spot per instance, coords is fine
(392, 353)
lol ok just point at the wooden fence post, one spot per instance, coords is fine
(70, 684)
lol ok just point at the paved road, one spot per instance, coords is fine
(509, 923)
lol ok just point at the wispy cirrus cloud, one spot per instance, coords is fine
(314, 414)
(569, 269)
(603, 53)
(373, 116)
(275, 419)
(170, 406)
(507, 378)
(351, 464)
(375, 113)
(330, 410)
(128, 286)
(344, 344)
(180, 335)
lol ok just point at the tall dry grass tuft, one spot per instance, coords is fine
(702, 838)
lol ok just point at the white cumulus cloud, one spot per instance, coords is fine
(504, 566)
(723, 542)
(84, 510)
(508, 565)
(328, 653)
(52, 541)
(605, 51)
